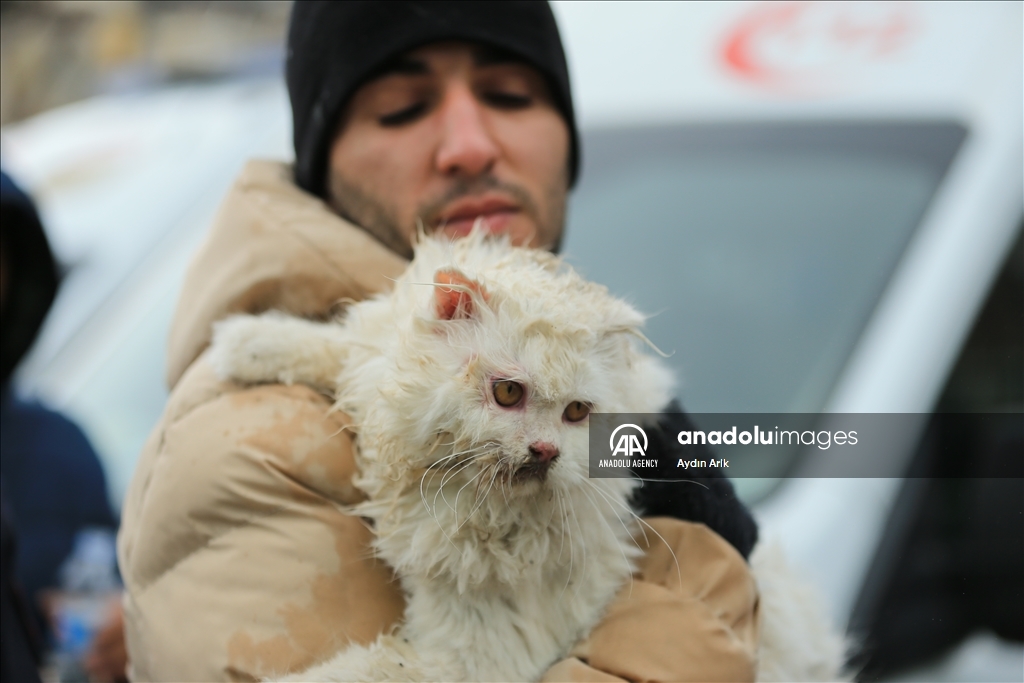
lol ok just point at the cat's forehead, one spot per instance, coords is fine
(533, 276)
(529, 299)
(554, 367)
(557, 346)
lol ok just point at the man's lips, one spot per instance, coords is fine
(459, 218)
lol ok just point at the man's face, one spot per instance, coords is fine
(448, 134)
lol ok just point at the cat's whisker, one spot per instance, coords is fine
(552, 516)
(566, 529)
(561, 547)
(679, 573)
(477, 497)
(454, 454)
(433, 469)
(457, 548)
(443, 463)
(423, 495)
(502, 460)
(481, 499)
(611, 531)
(457, 469)
(459, 493)
(631, 534)
(583, 548)
(424, 481)
(447, 477)
(433, 515)
(624, 505)
(433, 503)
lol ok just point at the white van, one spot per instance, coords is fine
(822, 203)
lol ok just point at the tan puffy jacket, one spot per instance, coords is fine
(237, 561)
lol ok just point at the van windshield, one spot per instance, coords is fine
(759, 250)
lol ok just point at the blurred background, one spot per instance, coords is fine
(61, 51)
(823, 203)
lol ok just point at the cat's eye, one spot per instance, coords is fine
(576, 411)
(508, 393)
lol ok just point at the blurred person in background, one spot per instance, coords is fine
(20, 642)
(51, 481)
(237, 561)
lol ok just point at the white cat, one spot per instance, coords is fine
(470, 387)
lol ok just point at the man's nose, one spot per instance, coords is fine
(467, 146)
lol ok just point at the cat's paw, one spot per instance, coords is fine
(243, 350)
(275, 347)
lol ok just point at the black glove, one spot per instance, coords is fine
(708, 499)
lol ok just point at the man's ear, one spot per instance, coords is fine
(455, 301)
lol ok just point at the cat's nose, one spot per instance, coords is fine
(544, 452)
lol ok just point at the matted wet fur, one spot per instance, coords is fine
(469, 387)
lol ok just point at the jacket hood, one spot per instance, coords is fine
(30, 273)
(274, 246)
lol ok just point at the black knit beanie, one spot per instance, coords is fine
(333, 47)
(32, 275)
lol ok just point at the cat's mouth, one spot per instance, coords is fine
(542, 455)
(531, 471)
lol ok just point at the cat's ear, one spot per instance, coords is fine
(455, 301)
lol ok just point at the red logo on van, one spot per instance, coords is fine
(796, 45)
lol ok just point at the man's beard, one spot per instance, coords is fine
(359, 208)
(378, 219)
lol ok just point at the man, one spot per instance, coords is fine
(52, 485)
(237, 559)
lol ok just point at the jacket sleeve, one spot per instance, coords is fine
(689, 614)
(237, 559)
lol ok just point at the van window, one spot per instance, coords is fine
(951, 563)
(759, 250)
